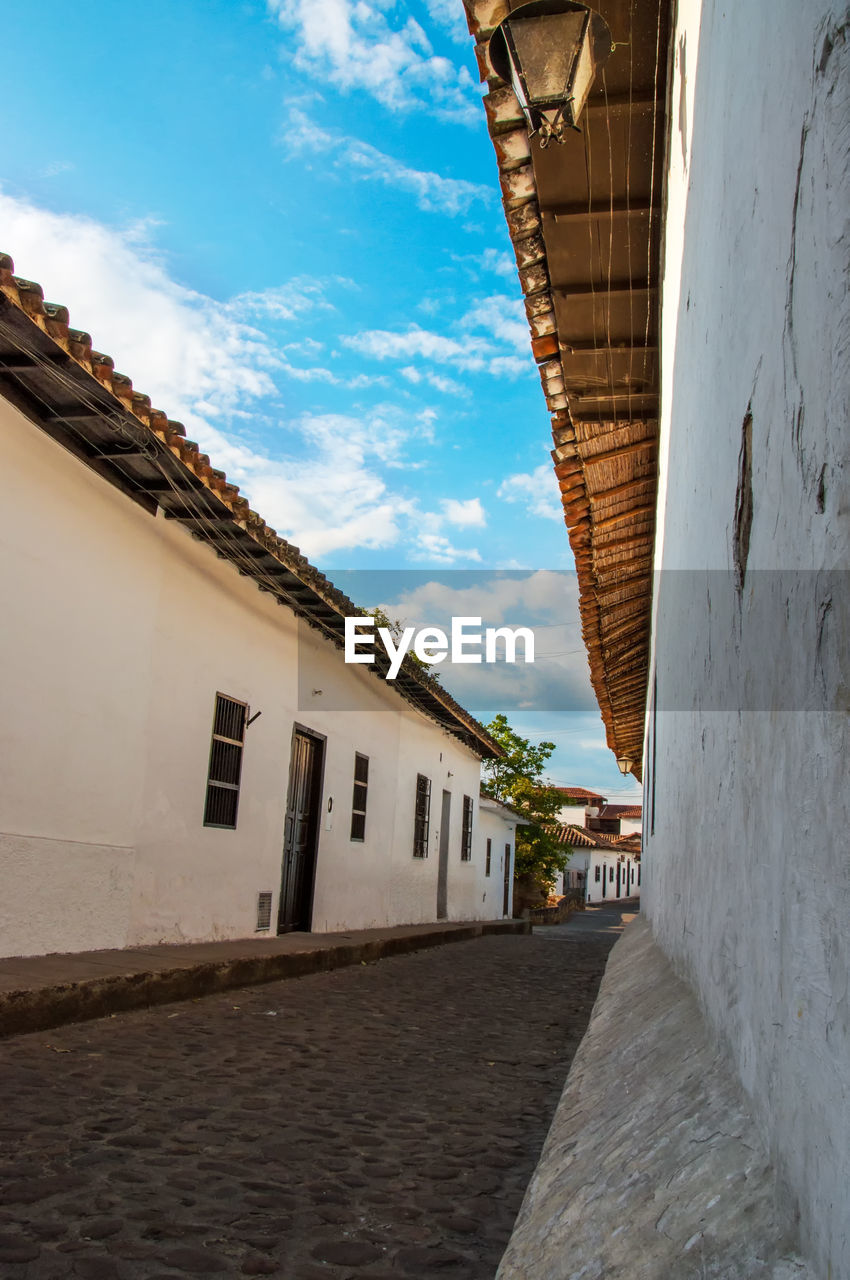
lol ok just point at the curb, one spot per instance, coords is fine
(47, 1007)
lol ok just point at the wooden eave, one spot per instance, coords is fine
(585, 222)
(52, 374)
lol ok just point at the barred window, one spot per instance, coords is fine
(596, 876)
(225, 767)
(358, 799)
(488, 857)
(466, 834)
(422, 818)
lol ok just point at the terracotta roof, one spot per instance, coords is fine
(577, 837)
(627, 844)
(579, 793)
(621, 811)
(581, 838)
(584, 219)
(54, 376)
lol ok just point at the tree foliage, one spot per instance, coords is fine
(517, 780)
(395, 627)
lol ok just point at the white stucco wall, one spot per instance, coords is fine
(120, 631)
(495, 824)
(746, 874)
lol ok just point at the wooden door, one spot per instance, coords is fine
(507, 896)
(301, 832)
(443, 868)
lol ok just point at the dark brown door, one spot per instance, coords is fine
(301, 832)
(507, 898)
(618, 880)
(443, 867)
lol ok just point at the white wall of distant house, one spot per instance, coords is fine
(495, 824)
(584, 866)
(746, 802)
(120, 630)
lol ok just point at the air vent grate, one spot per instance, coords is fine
(264, 911)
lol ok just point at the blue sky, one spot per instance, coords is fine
(283, 221)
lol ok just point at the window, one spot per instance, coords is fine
(596, 875)
(488, 857)
(611, 874)
(225, 768)
(422, 818)
(466, 834)
(358, 799)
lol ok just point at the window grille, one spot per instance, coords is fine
(225, 767)
(488, 857)
(596, 876)
(466, 835)
(422, 817)
(264, 911)
(358, 799)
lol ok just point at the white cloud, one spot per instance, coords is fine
(436, 549)
(501, 264)
(448, 14)
(503, 317)
(502, 320)
(433, 193)
(296, 298)
(351, 44)
(447, 385)
(384, 344)
(469, 512)
(201, 363)
(537, 490)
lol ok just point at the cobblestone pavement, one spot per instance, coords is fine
(371, 1122)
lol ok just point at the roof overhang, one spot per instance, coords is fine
(585, 222)
(51, 373)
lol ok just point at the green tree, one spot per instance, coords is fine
(395, 626)
(517, 779)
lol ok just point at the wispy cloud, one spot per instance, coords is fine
(448, 14)
(202, 363)
(386, 344)
(469, 512)
(491, 336)
(536, 490)
(435, 548)
(352, 45)
(448, 386)
(433, 193)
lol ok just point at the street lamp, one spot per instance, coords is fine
(625, 764)
(550, 51)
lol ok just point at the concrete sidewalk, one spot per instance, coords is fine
(37, 992)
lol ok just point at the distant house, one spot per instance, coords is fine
(186, 755)
(615, 819)
(577, 799)
(602, 867)
(497, 824)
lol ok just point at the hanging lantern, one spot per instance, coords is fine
(550, 51)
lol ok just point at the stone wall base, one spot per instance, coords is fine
(653, 1169)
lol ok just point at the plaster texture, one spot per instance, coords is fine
(746, 880)
(653, 1168)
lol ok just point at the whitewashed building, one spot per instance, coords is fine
(683, 258)
(497, 824)
(186, 755)
(602, 868)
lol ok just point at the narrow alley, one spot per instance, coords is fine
(381, 1120)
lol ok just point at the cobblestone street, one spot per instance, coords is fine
(376, 1121)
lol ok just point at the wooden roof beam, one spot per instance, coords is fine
(600, 209)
